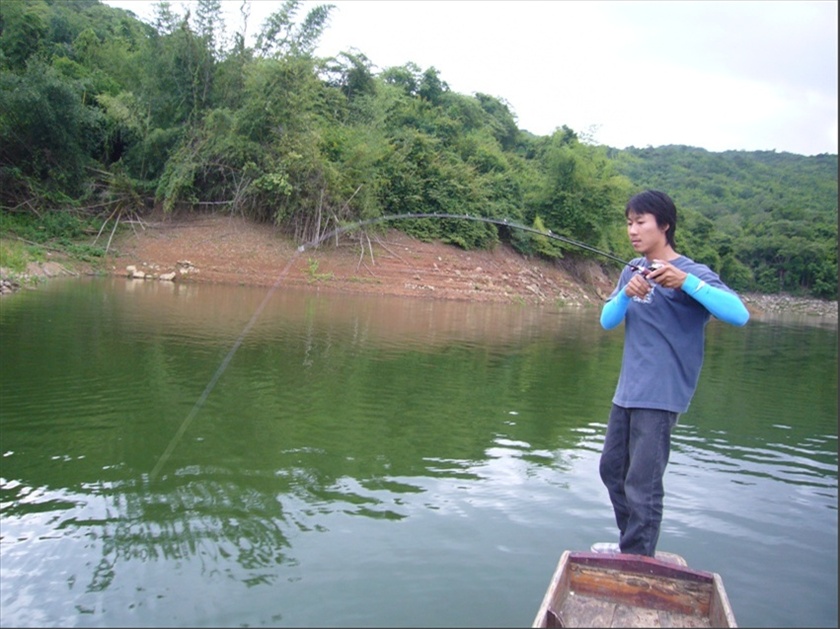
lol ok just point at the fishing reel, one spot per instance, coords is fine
(645, 272)
(653, 267)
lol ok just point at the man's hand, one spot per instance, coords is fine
(638, 287)
(667, 275)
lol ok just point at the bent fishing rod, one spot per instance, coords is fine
(469, 217)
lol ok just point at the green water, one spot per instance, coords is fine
(171, 459)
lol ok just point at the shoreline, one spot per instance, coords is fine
(761, 306)
(231, 250)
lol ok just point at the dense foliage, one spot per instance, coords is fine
(104, 116)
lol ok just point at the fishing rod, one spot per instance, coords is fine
(469, 217)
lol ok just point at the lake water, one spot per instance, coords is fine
(198, 455)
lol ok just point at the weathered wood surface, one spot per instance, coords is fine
(615, 590)
(587, 611)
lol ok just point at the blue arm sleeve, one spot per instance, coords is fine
(614, 310)
(722, 304)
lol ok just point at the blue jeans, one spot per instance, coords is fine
(633, 461)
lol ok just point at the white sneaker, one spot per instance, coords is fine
(608, 548)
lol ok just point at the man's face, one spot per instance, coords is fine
(645, 235)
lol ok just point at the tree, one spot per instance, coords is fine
(502, 121)
(281, 36)
(352, 73)
(210, 27)
(165, 20)
(23, 27)
(47, 136)
(581, 191)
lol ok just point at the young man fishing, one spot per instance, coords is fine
(665, 300)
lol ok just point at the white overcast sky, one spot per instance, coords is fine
(721, 75)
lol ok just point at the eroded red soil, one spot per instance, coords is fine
(230, 249)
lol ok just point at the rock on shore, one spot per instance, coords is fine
(35, 273)
(782, 303)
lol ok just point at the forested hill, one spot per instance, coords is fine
(104, 117)
(778, 209)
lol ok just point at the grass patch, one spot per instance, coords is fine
(26, 238)
(16, 255)
(313, 274)
(364, 280)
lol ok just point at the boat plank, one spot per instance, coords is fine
(673, 619)
(586, 611)
(632, 616)
(720, 609)
(663, 593)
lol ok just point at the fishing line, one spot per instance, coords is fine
(222, 367)
(469, 217)
(314, 243)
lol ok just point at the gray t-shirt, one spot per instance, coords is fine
(663, 343)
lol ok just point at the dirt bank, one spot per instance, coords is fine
(227, 249)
